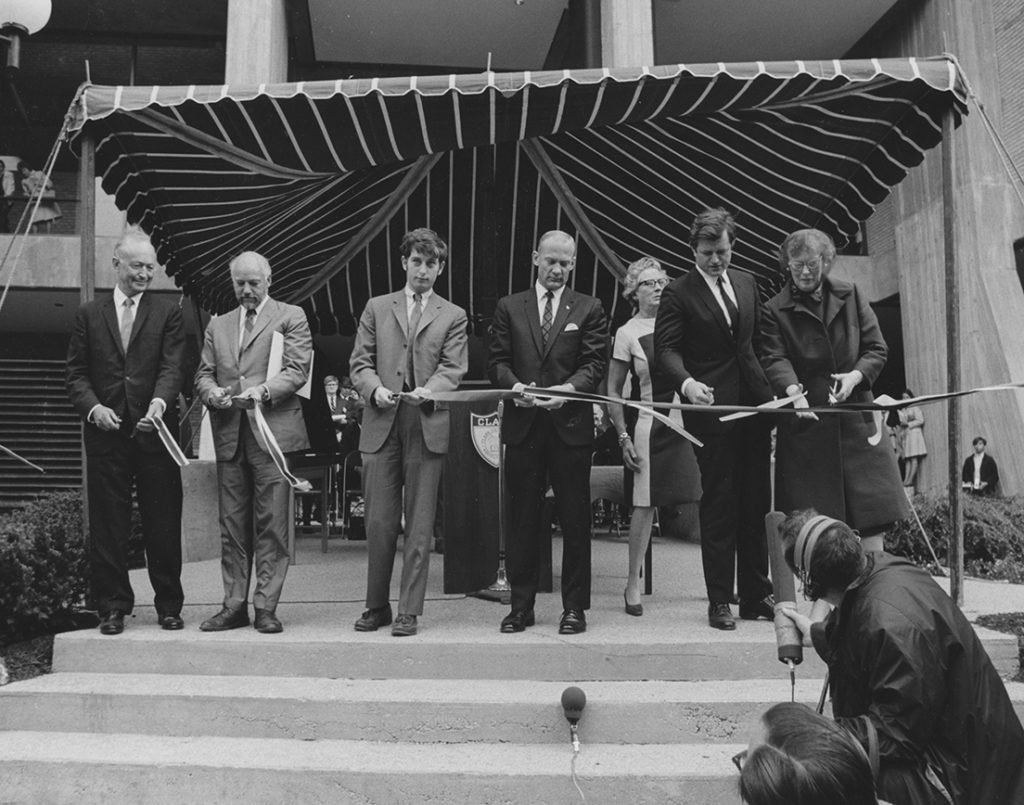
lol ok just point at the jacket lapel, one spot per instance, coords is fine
(561, 316)
(141, 312)
(707, 298)
(838, 302)
(430, 312)
(532, 314)
(263, 318)
(110, 317)
(398, 308)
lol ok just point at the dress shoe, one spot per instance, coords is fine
(633, 609)
(405, 626)
(373, 619)
(720, 616)
(573, 622)
(170, 621)
(224, 620)
(765, 608)
(112, 622)
(517, 620)
(266, 622)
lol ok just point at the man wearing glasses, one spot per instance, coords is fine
(703, 340)
(125, 370)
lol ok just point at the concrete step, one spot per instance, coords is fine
(48, 767)
(408, 710)
(316, 647)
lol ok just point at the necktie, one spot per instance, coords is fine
(545, 322)
(127, 320)
(330, 400)
(730, 306)
(414, 323)
(250, 320)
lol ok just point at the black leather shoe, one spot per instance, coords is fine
(517, 620)
(405, 626)
(266, 622)
(112, 622)
(373, 619)
(636, 610)
(224, 620)
(573, 622)
(720, 617)
(170, 621)
(765, 608)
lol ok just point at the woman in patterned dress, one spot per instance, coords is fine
(651, 452)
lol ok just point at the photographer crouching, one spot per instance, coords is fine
(908, 676)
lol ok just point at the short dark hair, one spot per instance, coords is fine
(979, 439)
(425, 241)
(837, 559)
(807, 759)
(710, 224)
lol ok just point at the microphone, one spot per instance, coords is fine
(573, 702)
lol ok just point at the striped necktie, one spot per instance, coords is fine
(730, 306)
(546, 319)
(127, 320)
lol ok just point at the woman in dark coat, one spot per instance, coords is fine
(821, 336)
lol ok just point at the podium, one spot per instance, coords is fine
(470, 497)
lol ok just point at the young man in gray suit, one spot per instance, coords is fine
(233, 377)
(409, 344)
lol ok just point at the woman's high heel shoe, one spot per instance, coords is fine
(632, 609)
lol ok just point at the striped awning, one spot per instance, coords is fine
(324, 177)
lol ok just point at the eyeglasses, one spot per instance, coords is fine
(653, 283)
(738, 758)
(798, 267)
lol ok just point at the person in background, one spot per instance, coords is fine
(704, 343)
(552, 337)
(409, 345)
(34, 183)
(234, 376)
(651, 452)
(821, 338)
(980, 475)
(800, 757)
(124, 371)
(914, 448)
(908, 675)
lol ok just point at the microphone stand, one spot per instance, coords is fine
(500, 590)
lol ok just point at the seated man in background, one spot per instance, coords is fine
(907, 673)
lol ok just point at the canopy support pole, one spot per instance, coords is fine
(87, 266)
(549, 172)
(949, 223)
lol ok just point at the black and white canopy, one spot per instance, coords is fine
(324, 177)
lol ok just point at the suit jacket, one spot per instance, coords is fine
(101, 372)
(576, 353)
(692, 339)
(440, 358)
(223, 364)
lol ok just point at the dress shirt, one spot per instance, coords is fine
(556, 299)
(978, 458)
(242, 310)
(410, 300)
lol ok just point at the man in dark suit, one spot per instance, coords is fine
(551, 337)
(704, 341)
(124, 370)
(324, 416)
(258, 354)
(409, 345)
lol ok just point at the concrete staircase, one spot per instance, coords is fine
(457, 714)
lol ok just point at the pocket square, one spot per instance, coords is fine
(570, 327)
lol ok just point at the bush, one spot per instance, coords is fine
(993, 535)
(44, 573)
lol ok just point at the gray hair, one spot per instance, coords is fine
(633, 271)
(806, 239)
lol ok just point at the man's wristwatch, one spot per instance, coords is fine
(623, 438)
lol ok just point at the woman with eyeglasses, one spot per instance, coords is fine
(820, 339)
(651, 452)
(799, 757)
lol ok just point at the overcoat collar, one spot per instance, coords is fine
(834, 297)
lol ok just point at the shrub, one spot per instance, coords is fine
(44, 571)
(993, 535)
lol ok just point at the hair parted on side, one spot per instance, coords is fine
(710, 224)
(425, 241)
